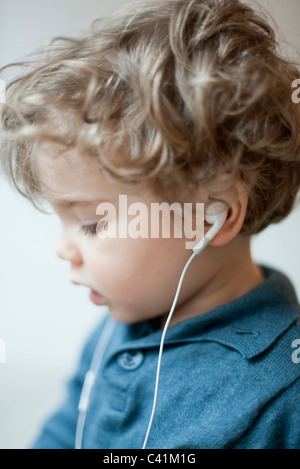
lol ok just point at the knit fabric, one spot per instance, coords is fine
(228, 380)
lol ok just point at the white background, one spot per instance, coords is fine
(44, 320)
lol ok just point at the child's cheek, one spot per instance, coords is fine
(121, 267)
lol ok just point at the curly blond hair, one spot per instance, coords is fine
(181, 91)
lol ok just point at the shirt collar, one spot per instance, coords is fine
(250, 324)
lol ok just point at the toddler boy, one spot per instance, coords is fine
(175, 101)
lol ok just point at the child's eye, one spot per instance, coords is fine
(88, 229)
(91, 229)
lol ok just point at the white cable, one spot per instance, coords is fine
(162, 345)
(90, 379)
(216, 215)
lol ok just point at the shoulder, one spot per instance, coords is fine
(277, 424)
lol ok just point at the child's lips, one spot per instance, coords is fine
(96, 298)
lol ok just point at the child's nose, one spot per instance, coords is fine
(67, 250)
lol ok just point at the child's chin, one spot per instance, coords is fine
(126, 317)
(123, 316)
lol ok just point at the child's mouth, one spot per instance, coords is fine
(96, 298)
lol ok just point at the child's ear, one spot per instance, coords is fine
(237, 201)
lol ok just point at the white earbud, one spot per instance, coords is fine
(215, 214)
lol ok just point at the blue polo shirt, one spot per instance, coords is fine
(230, 379)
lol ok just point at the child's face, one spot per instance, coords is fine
(136, 278)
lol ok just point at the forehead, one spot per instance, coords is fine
(68, 173)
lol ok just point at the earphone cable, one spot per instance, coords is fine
(162, 345)
(90, 379)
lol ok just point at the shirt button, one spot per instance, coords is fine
(130, 360)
